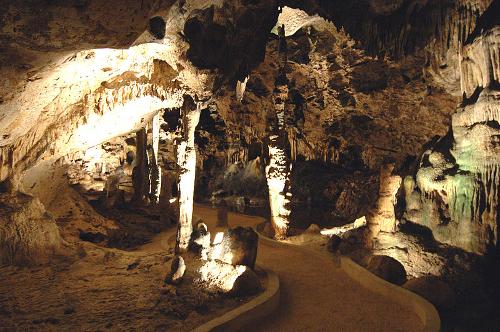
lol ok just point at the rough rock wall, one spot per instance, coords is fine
(28, 234)
(351, 112)
(406, 27)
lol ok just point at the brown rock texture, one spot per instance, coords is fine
(28, 234)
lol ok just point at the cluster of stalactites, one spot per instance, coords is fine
(70, 132)
(480, 62)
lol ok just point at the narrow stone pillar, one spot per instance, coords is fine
(278, 183)
(140, 178)
(382, 218)
(186, 162)
(168, 210)
(279, 168)
(155, 170)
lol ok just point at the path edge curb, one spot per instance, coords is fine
(423, 308)
(425, 311)
(259, 307)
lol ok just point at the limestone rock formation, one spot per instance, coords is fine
(309, 113)
(237, 247)
(457, 177)
(28, 234)
(200, 239)
(382, 218)
(238, 280)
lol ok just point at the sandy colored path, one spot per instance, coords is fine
(316, 295)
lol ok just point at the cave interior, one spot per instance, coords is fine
(163, 162)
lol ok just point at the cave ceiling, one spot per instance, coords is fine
(63, 59)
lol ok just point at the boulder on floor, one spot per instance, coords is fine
(313, 228)
(434, 290)
(387, 268)
(236, 280)
(237, 247)
(200, 239)
(177, 270)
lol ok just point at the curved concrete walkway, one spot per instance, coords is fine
(316, 294)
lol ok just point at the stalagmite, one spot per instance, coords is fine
(278, 175)
(382, 218)
(186, 162)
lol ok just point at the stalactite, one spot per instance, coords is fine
(481, 62)
(491, 181)
(240, 88)
(292, 141)
(186, 161)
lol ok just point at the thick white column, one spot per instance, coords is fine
(186, 161)
(279, 168)
(278, 183)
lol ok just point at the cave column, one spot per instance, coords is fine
(278, 182)
(155, 170)
(382, 217)
(140, 179)
(279, 168)
(186, 162)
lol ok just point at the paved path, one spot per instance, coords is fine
(317, 295)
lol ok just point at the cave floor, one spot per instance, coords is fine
(107, 289)
(316, 295)
(112, 289)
